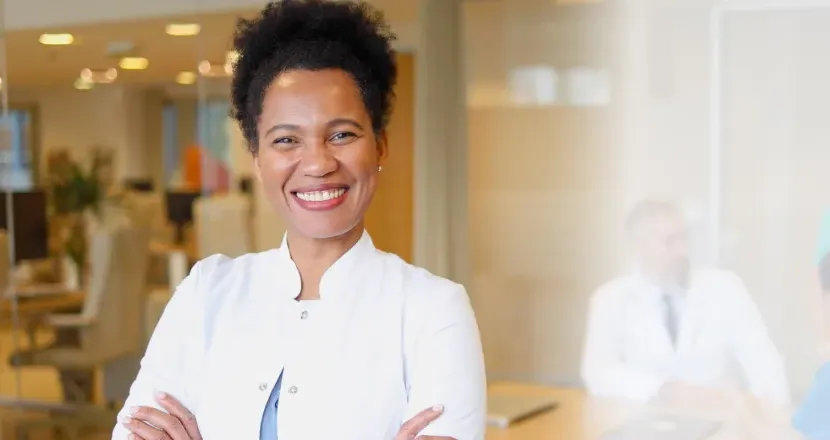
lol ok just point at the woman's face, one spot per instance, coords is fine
(318, 156)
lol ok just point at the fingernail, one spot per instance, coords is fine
(126, 420)
(161, 395)
(438, 408)
(133, 410)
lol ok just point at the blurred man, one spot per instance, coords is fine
(813, 418)
(666, 330)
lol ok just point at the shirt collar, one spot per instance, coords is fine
(652, 288)
(350, 266)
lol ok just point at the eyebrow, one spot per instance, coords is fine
(332, 123)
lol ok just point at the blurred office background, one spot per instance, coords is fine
(523, 133)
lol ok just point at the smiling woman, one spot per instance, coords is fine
(325, 337)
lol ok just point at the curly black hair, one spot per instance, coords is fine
(313, 35)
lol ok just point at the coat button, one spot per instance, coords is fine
(263, 386)
(292, 389)
(304, 314)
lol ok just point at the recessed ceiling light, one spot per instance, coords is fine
(230, 61)
(56, 39)
(83, 84)
(186, 78)
(133, 63)
(182, 29)
(210, 70)
(105, 76)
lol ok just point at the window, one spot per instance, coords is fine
(17, 152)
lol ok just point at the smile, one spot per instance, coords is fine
(321, 199)
(321, 196)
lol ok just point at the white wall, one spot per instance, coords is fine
(112, 117)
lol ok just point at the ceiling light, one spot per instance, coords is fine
(182, 29)
(186, 78)
(99, 76)
(230, 61)
(210, 70)
(56, 39)
(83, 84)
(133, 63)
(204, 67)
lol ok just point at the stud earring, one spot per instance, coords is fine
(380, 168)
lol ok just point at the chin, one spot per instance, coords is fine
(322, 231)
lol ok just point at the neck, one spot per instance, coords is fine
(314, 256)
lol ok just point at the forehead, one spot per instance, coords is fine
(306, 94)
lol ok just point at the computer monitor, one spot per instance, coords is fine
(31, 229)
(180, 210)
(139, 185)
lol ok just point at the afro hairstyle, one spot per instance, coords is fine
(312, 35)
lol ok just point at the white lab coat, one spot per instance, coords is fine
(722, 341)
(385, 341)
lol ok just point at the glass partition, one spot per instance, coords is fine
(649, 205)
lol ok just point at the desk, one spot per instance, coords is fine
(34, 299)
(580, 417)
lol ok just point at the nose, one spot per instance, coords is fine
(317, 160)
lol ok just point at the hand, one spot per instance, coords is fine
(413, 426)
(147, 423)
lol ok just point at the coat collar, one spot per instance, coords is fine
(348, 267)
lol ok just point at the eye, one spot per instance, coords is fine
(285, 142)
(342, 137)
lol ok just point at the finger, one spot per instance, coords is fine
(167, 423)
(416, 424)
(184, 415)
(142, 431)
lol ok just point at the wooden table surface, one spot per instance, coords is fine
(41, 298)
(580, 417)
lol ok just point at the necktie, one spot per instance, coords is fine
(670, 316)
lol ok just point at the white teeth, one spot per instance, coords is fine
(321, 196)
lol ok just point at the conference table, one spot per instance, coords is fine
(581, 417)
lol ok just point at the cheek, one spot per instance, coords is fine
(362, 163)
(275, 170)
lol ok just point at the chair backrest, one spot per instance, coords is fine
(147, 210)
(223, 225)
(116, 293)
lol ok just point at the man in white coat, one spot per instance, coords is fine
(668, 331)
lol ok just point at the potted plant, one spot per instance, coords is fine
(74, 191)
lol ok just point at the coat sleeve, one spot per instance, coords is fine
(604, 369)
(445, 363)
(755, 352)
(172, 353)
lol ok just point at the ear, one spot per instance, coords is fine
(382, 147)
